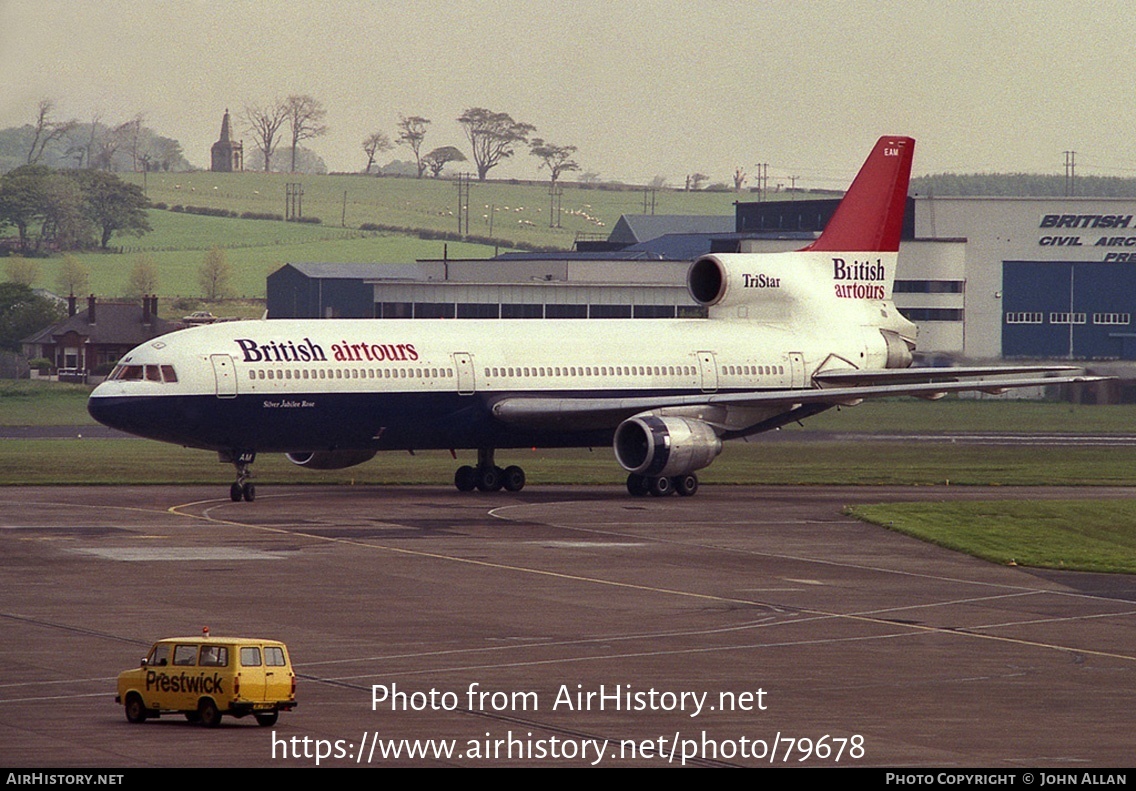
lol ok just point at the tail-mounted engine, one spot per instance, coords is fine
(660, 447)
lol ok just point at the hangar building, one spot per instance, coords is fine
(984, 278)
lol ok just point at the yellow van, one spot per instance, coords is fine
(207, 677)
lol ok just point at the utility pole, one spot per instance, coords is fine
(293, 201)
(463, 184)
(762, 179)
(555, 193)
(1070, 173)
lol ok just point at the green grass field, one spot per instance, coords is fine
(255, 248)
(1071, 535)
(1090, 535)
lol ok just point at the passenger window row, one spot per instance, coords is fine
(351, 373)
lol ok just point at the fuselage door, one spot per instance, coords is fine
(708, 367)
(797, 366)
(464, 364)
(225, 375)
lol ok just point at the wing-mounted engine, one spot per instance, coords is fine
(665, 447)
(330, 459)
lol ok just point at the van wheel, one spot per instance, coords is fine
(266, 719)
(208, 714)
(193, 717)
(135, 708)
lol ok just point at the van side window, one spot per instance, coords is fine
(159, 656)
(274, 656)
(250, 657)
(185, 655)
(214, 656)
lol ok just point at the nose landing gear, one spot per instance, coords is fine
(242, 488)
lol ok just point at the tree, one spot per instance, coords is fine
(558, 159)
(21, 271)
(46, 131)
(739, 179)
(22, 313)
(265, 123)
(694, 181)
(375, 143)
(112, 204)
(215, 274)
(492, 136)
(412, 131)
(143, 278)
(439, 157)
(305, 118)
(22, 199)
(74, 277)
(34, 195)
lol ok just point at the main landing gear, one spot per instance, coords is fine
(640, 485)
(487, 477)
(242, 488)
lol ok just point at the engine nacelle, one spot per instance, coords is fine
(330, 459)
(662, 447)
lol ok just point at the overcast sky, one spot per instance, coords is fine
(641, 88)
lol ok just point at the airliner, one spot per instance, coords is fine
(787, 335)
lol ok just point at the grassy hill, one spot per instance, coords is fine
(510, 214)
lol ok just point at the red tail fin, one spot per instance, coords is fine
(870, 217)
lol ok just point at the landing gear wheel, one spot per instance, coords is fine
(135, 709)
(208, 714)
(661, 487)
(686, 485)
(267, 719)
(489, 479)
(465, 479)
(638, 485)
(241, 488)
(513, 479)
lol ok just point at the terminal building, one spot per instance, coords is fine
(984, 278)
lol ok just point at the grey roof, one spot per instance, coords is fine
(328, 271)
(116, 323)
(635, 228)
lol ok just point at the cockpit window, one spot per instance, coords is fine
(149, 373)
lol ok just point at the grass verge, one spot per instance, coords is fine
(1092, 535)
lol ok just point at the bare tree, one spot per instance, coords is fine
(47, 131)
(558, 159)
(265, 123)
(305, 117)
(412, 131)
(492, 136)
(133, 132)
(739, 179)
(439, 157)
(73, 276)
(112, 140)
(214, 275)
(374, 144)
(143, 278)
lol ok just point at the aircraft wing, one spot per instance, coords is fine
(851, 376)
(609, 412)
